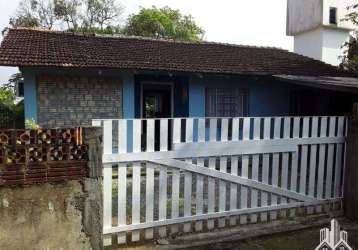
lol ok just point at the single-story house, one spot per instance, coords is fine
(71, 78)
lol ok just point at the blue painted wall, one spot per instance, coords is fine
(265, 97)
(269, 98)
(196, 97)
(30, 95)
(128, 95)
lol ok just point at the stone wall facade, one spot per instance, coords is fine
(75, 101)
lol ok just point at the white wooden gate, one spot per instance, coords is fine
(167, 176)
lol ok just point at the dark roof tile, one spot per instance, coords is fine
(29, 47)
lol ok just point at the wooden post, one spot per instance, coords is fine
(350, 203)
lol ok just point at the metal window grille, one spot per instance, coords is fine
(225, 102)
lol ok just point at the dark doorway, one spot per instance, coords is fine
(157, 100)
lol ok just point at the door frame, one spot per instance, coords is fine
(171, 84)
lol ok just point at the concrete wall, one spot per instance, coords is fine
(342, 11)
(323, 44)
(303, 15)
(332, 50)
(314, 36)
(46, 216)
(309, 43)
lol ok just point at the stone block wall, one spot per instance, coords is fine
(75, 101)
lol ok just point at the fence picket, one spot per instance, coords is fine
(223, 168)
(294, 161)
(199, 178)
(149, 189)
(321, 162)
(137, 131)
(234, 170)
(244, 170)
(312, 173)
(275, 166)
(175, 177)
(265, 167)
(211, 181)
(285, 159)
(163, 176)
(107, 181)
(255, 169)
(188, 178)
(330, 155)
(304, 157)
(122, 180)
(338, 163)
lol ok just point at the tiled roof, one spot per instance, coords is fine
(28, 47)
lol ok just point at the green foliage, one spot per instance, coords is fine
(163, 23)
(102, 16)
(31, 124)
(350, 57)
(15, 112)
(7, 96)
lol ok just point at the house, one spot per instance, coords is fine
(319, 28)
(72, 78)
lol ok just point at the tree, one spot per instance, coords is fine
(72, 15)
(68, 12)
(34, 13)
(102, 13)
(163, 23)
(350, 57)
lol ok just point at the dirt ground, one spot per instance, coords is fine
(307, 239)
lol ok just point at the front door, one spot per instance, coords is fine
(157, 100)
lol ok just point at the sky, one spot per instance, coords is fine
(253, 22)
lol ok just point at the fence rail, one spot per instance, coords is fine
(192, 174)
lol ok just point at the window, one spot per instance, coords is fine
(333, 15)
(225, 102)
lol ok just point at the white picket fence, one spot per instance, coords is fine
(167, 176)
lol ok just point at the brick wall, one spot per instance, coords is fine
(42, 155)
(75, 101)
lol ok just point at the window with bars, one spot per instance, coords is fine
(225, 102)
(333, 15)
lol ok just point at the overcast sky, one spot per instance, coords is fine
(253, 22)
